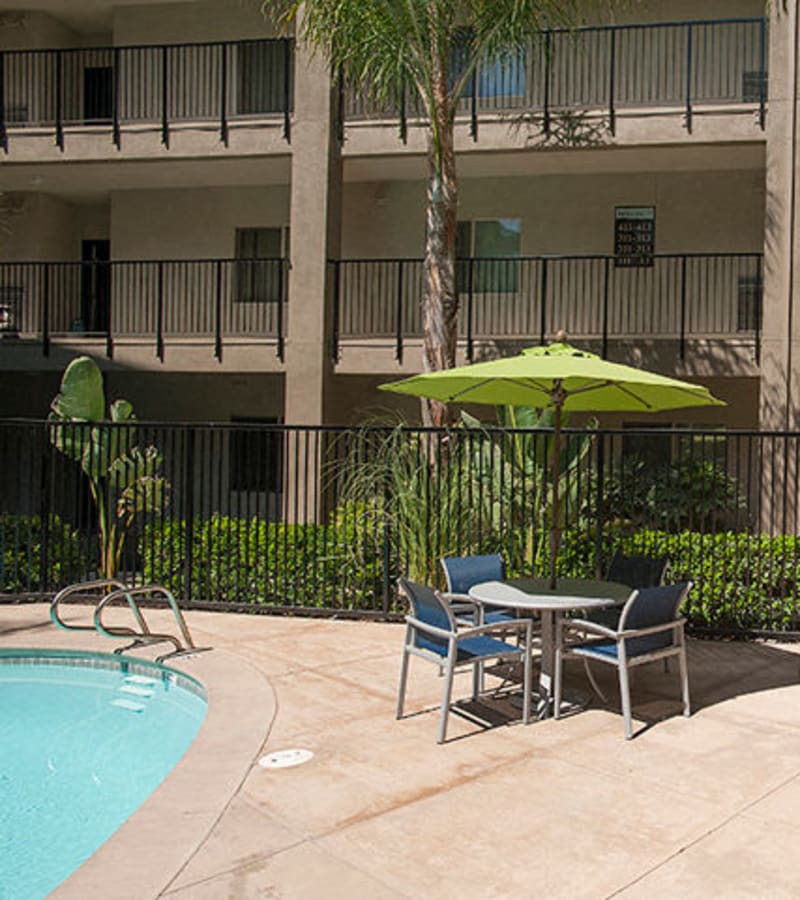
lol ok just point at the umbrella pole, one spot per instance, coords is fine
(555, 528)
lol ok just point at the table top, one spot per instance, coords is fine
(536, 593)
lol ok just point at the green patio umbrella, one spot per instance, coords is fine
(562, 378)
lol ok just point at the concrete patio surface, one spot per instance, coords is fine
(707, 806)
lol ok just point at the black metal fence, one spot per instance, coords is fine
(326, 518)
(611, 68)
(669, 297)
(153, 299)
(161, 84)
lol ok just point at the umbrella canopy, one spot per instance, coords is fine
(562, 378)
(553, 376)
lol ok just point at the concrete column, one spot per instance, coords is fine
(780, 357)
(315, 238)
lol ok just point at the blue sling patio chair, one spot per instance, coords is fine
(649, 629)
(634, 571)
(461, 573)
(432, 633)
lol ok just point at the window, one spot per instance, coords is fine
(493, 245)
(261, 85)
(499, 76)
(754, 86)
(255, 460)
(260, 265)
(634, 236)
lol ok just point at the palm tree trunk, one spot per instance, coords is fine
(439, 295)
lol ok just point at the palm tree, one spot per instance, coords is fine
(432, 49)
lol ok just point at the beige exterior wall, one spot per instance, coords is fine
(33, 30)
(695, 211)
(166, 23)
(45, 227)
(186, 224)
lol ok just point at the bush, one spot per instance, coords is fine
(22, 549)
(236, 560)
(741, 581)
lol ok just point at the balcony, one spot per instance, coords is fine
(150, 301)
(667, 299)
(683, 68)
(162, 87)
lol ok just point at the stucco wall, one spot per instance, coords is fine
(185, 224)
(696, 211)
(166, 23)
(29, 30)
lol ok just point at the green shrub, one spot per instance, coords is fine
(21, 552)
(236, 560)
(741, 581)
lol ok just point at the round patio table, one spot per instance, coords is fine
(535, 595)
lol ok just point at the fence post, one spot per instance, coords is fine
(188, 488)
(470, 341)
(165, 96)
(762, 76)
(599, 505)
(160, 312)
(44, 510)
(689, 78)
(223, 94)
(543, 302)
(59, 110)
(683, 309)
(287, 92)
(612, 113)
(218, 312)
(337, 273)
(116, 134)
(606, 280)
(398, 351)
(548, 39)
(3, 132)
(386, 556)
(45, 309)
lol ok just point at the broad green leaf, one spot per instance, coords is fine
(81, 397)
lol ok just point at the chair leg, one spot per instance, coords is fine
(684, 670)
(526, 686)
(558, 680)
(625, 697)
(446, 693)
(401, 691)
(593, 681)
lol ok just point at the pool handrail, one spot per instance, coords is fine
(83, 588)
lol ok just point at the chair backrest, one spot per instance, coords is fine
(462, 572)
(637, 571)
(652, 606)
(428, 607)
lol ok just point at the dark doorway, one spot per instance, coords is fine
(98, 93)
(95, 285)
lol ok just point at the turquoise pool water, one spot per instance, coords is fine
(84, 739)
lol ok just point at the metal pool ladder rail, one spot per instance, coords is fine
(142, 635)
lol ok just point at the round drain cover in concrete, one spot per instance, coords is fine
(285, 759)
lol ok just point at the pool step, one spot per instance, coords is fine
(136, 690)
(127, 704)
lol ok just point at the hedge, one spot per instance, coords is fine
(22, 550)
(741, 581)
(236, 560)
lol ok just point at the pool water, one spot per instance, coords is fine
(83, 741)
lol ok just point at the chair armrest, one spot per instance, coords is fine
(460, 601)
(499, 627)
(430, 629)
(653, 629)
(591, 627)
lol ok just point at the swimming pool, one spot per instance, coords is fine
(84, 740)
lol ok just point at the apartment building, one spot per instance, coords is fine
(193, 200)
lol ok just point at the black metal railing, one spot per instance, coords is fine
(215, 299)
(610, 69)
(161, 85)
(669, 297)
(328, 517)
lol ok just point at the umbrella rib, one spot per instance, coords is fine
(514, 382)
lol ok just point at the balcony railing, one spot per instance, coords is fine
(159, 85)
(667, 297)
(610, 69)
(160, 300)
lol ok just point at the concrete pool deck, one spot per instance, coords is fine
(702, 807)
